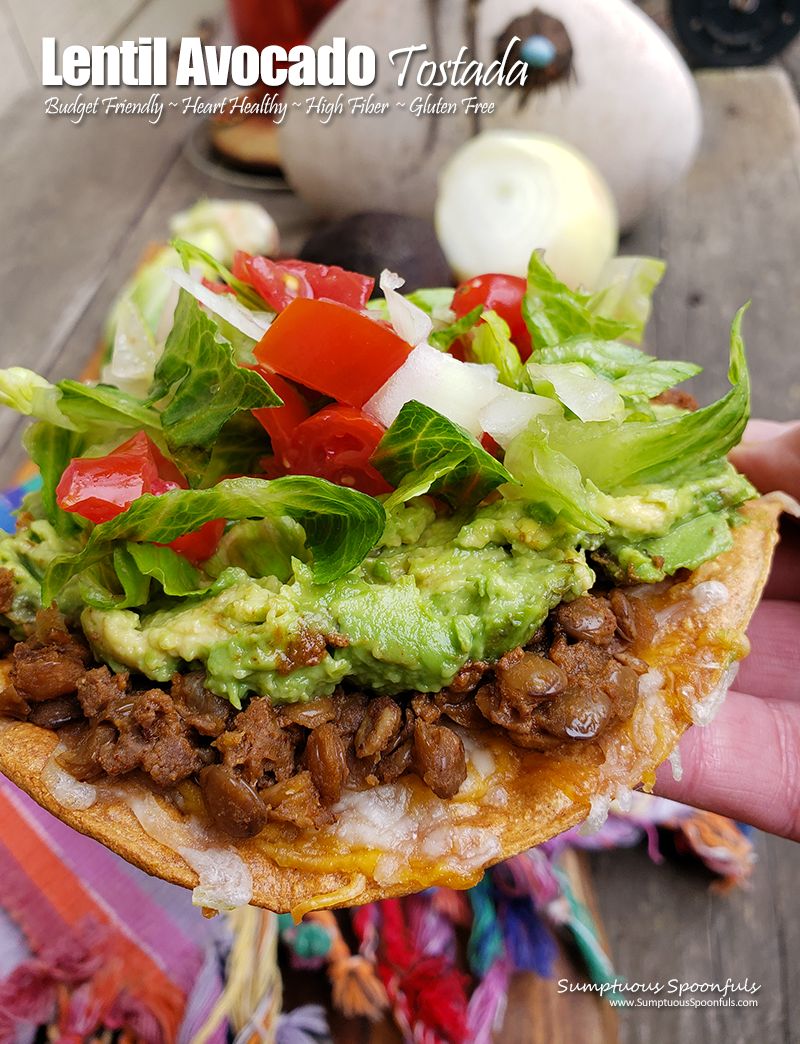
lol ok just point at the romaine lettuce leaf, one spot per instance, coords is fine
(51, 448)
(175, 574)
(553, 313)
(492, 344)
(444, 337)
(72, 405)
(205, 385)
(341, 525)
(613, 454)
(189, 253)
(548, 477)
(122, 579)
(434, 301)
(635, 374)
(624, 292)
(424, 452)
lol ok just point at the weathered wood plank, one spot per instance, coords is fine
(667, 923)
(730, 233)
(60, 335)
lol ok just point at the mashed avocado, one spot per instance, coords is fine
(435, 594)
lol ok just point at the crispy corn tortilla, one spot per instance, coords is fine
(401, 838)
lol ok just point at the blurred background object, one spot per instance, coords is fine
(735, 32)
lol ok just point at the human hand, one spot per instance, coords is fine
(746, 764)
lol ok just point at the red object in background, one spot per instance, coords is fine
(336, 444)
(498, 293)
(282, 22)
(100, 488)
(332, 349)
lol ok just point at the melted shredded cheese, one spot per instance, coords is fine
(704, 711)
(224, 878)
(68, 791)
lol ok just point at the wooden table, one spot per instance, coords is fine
(80, 204)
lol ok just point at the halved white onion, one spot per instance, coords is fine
(504, 194)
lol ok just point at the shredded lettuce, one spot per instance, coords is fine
(612, 454)
(341, 525)
(190, 254)
(624, 292)
(553, 313)
(204, 383)
(424, 452)
(548, 477)
(636, 375)
(51, 448)
(589, 396)
(72, 405)
(447, 335)
(492, 344)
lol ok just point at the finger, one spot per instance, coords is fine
(746, 765)
(771, 461)
(784, 577)
(758, 430)
(773, 667)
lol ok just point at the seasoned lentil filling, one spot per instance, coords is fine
(291, 763)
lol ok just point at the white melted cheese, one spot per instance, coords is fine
(383, 819)
(68, 791)
(709, 594)
(224, 881)
(704, 711)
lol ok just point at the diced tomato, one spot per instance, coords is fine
(334, 283)
(336, 444)
(275, 282)
(332, 349)
(218, 286)
(499, 293)
(491, 446)
(100, 488)
(201, 543)
(280, 422)
(280, 282)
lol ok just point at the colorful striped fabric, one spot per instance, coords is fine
(90, 942)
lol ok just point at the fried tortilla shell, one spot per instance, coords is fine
(400, 838)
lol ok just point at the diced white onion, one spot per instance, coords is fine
(226, 306)
(410, 323)
(591, 398)
(510, 413)
(457, 390)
